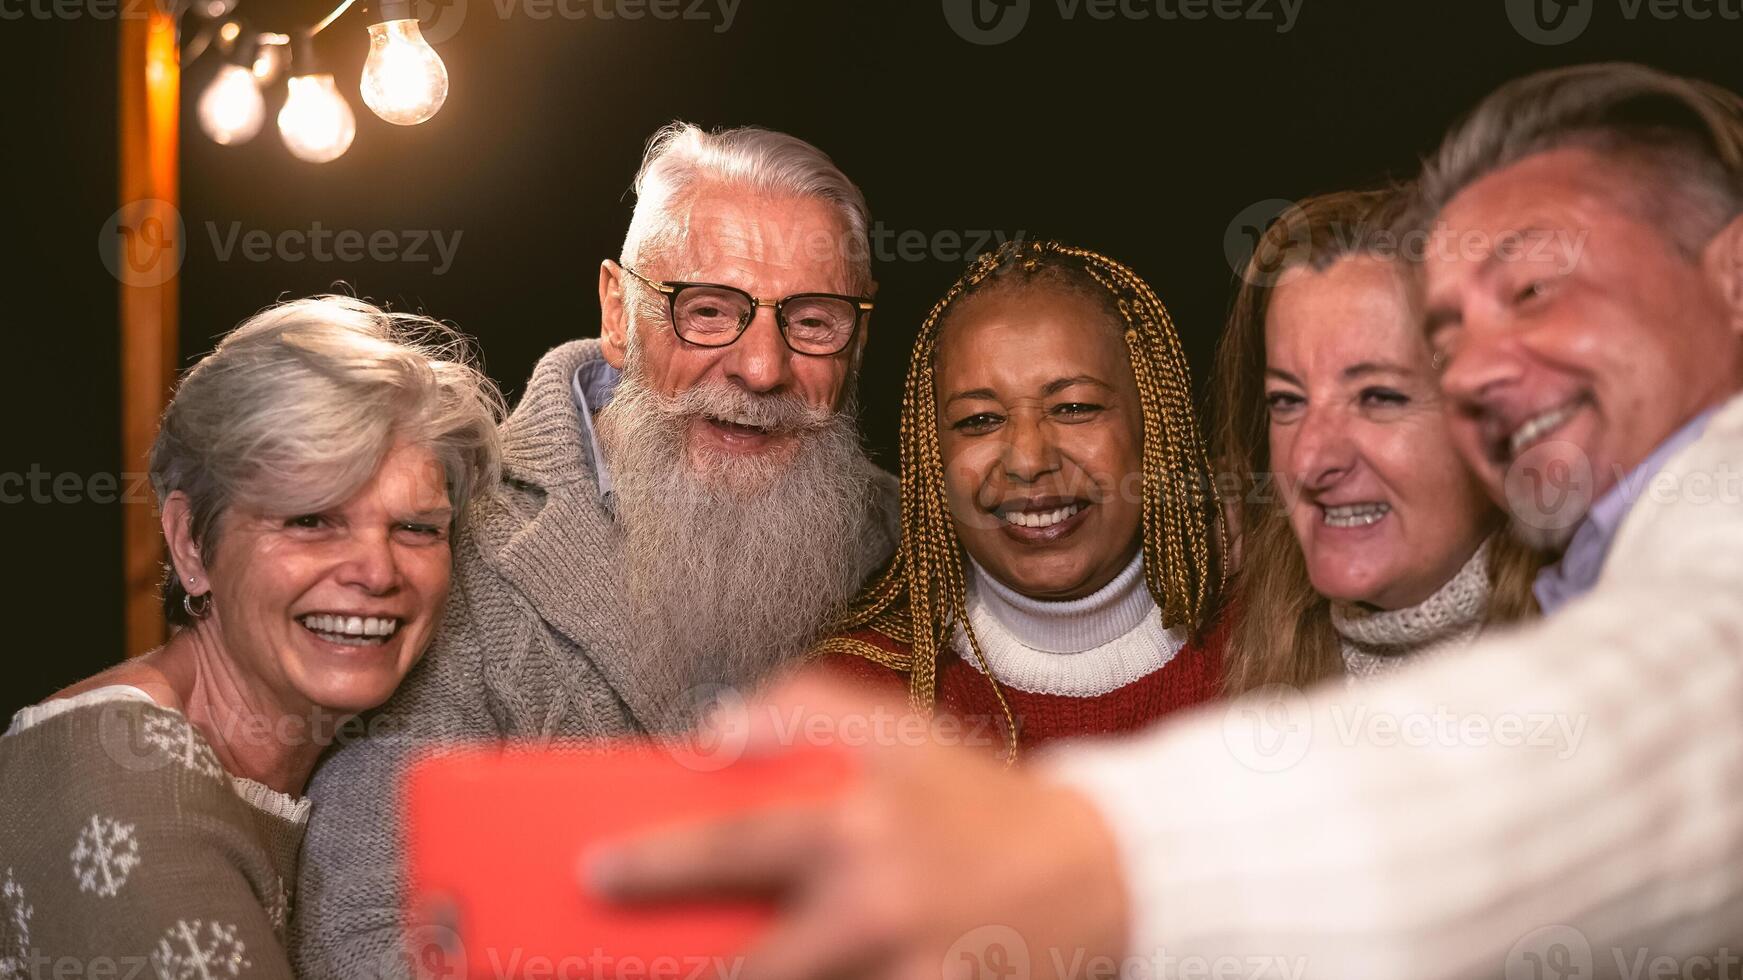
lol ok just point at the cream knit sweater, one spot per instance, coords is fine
(1378, 642)
(1564, 798)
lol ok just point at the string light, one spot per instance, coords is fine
(316, 124)
(232, 109)
(270, 60)
(404, 80)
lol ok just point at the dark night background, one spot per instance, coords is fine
(1145, 139)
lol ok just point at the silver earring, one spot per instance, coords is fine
(200, 611)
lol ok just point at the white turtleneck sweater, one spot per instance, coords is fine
(1379, 642)
(1077, 647)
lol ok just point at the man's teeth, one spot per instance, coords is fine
(736, 424)
(351, 630)
(1541, 425)
(1355, 515)
(1041, 518)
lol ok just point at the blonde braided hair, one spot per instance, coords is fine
(921, 596)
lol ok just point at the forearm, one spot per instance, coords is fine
(1428, 825)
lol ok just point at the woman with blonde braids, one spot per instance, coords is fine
(1059, 564)
(1364, 541)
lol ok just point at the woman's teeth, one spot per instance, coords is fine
(1041, 518)
(1542, 425)
(351, 630)
(1355, 515)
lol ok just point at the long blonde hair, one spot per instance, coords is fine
(1282, 633)
(921, 597)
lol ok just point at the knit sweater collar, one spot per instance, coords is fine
(1077, 648)
(1374, 642)
(1072, 625)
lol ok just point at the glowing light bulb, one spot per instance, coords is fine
(315, 123)
(268, 63)
(231, 109)
(404, 81)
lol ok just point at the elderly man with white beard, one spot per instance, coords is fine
(685, 502)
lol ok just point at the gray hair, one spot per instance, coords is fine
(1681, 138)
(682, 157)
(297, 407)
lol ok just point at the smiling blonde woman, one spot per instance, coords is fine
(1364, 540)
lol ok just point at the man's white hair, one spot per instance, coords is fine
(682, 157)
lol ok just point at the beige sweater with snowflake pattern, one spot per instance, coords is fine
(127, 850)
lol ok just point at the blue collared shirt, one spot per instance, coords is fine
(1577, 571)
(592, 387)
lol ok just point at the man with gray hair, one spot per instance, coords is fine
(1558, 801)
(685, 502)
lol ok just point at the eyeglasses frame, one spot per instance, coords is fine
(862, 306)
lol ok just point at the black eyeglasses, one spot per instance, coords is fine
(711, 315)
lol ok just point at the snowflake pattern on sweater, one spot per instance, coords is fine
(177, 739)
(198, 950)
(135, 846)
(106, 852)
(15, 913)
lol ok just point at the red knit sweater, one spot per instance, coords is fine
(1193, 676)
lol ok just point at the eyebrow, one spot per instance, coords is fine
(1053, 387)
(1360, 369)
(1365, 368)
(436, 516)
(1438, 315)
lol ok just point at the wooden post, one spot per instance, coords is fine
(149, 251)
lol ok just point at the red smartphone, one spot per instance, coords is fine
(494, 837)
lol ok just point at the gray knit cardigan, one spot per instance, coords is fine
(535, 643)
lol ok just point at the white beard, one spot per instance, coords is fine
(733, 563)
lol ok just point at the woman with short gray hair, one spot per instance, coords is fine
(308, 473)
